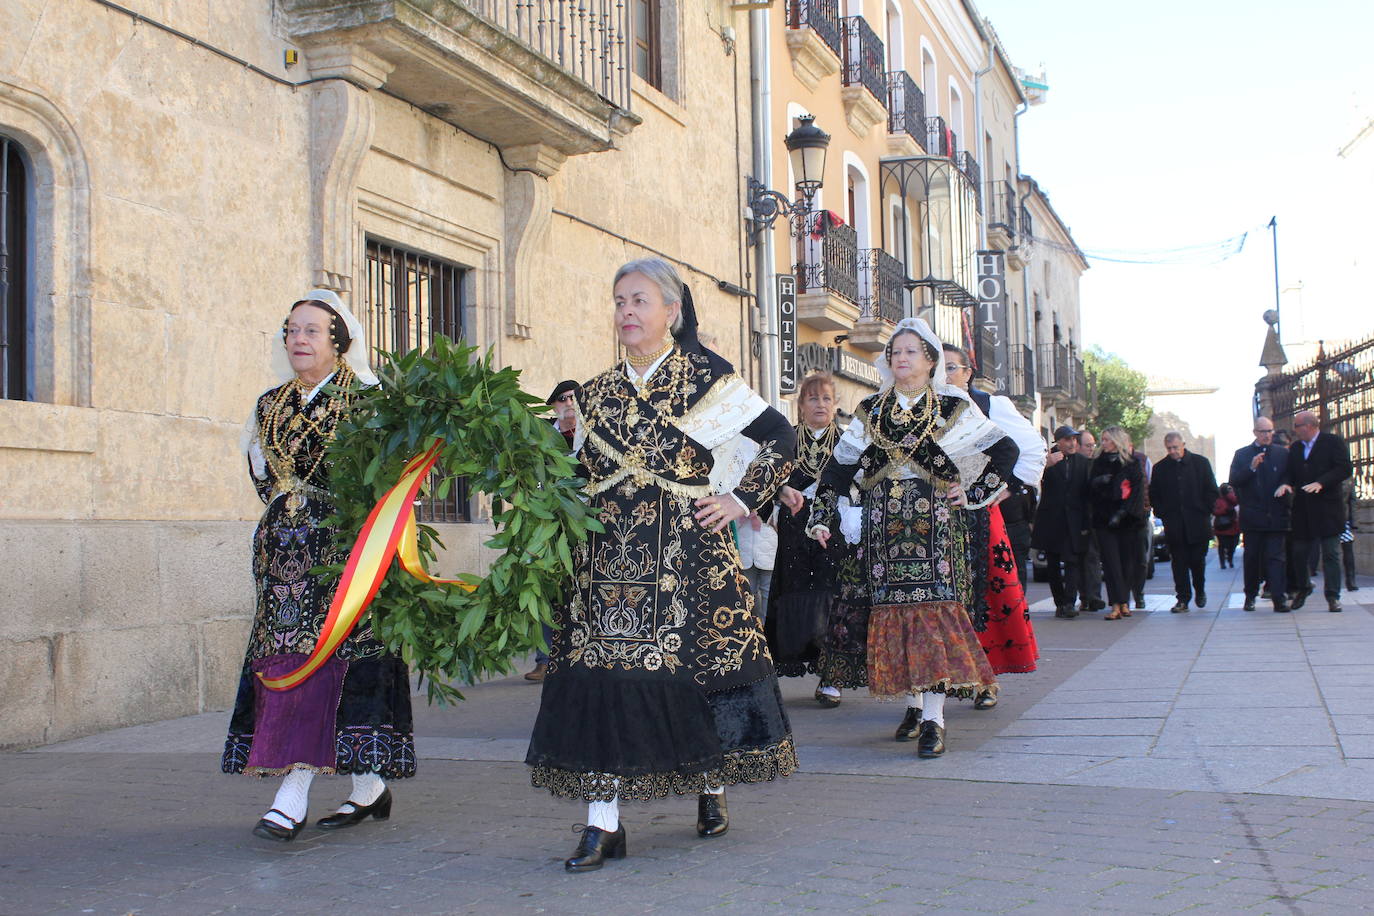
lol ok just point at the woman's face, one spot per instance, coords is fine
(642, 319)
(308, 346)
(910, 364)
(818, 407)
(1109, 447)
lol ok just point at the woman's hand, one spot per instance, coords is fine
(792, 499)
(956, 495)
(715, 512)
(822, 537)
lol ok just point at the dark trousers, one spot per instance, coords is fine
(1063, 572)
(1146, 546)
(1120, 552)
(1019, 534)
(1348, 560)
(1188, 561)
(1265, 559)
(1090, 573)
(1331, 565)
(1226, 549)
(540, 656)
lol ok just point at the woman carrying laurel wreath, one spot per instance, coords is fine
(927, 456)
(352, 715)
(804, 584)
(659, 677)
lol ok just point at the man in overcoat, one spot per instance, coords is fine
(1257, 472)
(1318, 463)
(1061, 519)
(1182, 492)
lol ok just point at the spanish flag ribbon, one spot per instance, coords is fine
(389, 531)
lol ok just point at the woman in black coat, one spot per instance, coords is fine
(1116, 496)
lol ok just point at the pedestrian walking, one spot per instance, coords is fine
(353, 714)
(1257, 471)
(1090, 570)
(659, 678)
(928, 456)
(1062, 525)
(563, 400)
(1318, 463)
(1117, 496)
(1348, 537)
(1147, 534)
(804, 588)
(1226, 525)
(1183, 490)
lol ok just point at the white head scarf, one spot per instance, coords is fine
(356, 357)
(922, 330)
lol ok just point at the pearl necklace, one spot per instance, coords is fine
(639, 362)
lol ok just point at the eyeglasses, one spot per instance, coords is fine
(954, 367)
(566, 397)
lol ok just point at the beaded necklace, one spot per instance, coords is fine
(919, 420)
(283, 436)
(639, 362)
(814, 454)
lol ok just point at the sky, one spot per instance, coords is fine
(1179, 124)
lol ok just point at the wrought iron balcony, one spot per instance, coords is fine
(965, 162)
(906, 107)
(937, 232)
(828, 257)
(1002, 211)
(822, 17)
(940, 140)
(864, 58)
(882, 286)
(1061, 372)
(1020, 372)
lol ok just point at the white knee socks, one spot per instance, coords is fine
(933, 708)
(293, 798)
(367, 788)
(604, 815)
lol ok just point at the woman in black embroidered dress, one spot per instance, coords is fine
(353, 714)
(804, 584)
(927, 455)
(659, 678)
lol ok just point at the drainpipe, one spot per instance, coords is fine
(766, 312)
(979, 145)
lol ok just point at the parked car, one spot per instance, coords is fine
(1159, 552)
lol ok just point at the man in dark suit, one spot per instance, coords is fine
(1182, 492)
(1318, 463)
(1257, 471)
(1061, 520)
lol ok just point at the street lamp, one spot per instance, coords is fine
(806, 147)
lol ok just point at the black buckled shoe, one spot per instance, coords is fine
(713, 815)
(270, 830)
(595, 847)
(380, 809)
(911, 725)
(932, 740)
(986, 699)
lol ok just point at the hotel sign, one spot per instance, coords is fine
(787, 333)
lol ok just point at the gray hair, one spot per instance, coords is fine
(1173, 436)
(661, 274)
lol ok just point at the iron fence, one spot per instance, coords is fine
(939, 138)
(1020, 372)
(828, 256)
(864, 58)
(1339, 387)
(906, 107)
(590, 39)
(822, 17)
(966, 163)
(882, 286)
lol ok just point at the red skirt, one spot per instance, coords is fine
(1008, 638)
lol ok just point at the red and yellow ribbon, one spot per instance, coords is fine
(389, 531)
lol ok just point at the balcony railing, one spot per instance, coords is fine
(965, 163)
(822, 17)
(939, 138)
(864, 57)
(828, 257)
(1020, 372)
(906, 107)
(1001, 207)
(882, 286)
(1060, 371)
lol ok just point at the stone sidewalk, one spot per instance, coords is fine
(1217, 761)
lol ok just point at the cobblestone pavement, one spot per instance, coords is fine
(1213, 762)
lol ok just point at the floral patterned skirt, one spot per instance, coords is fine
(913, 648)
(1008, 639)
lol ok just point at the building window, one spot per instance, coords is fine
(14, 280)
(409, 298)
(649, 41)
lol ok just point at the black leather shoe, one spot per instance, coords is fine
(1281, 607)
(1249, 604)
(1352, 586)
(595, 847)
(911, 725)
(826, 700)
(270, 830)
(1067, 612)
(1097, 604)
(1140, 604)
(932, 740)
(380, 809)
(1300, 599)
(1179, 608)
(1333, 605)
(713, 815)
(986, 699)
(1201, 599)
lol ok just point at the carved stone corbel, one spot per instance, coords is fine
(341, 125)
(528, 215)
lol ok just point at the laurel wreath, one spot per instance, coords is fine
(499, 438)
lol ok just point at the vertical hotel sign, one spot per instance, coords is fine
(992, 318)
(787, 333)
